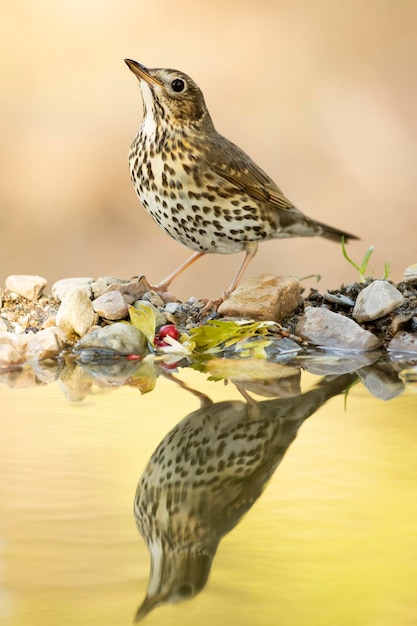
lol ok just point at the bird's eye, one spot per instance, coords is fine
(178, 85)
(185, 590)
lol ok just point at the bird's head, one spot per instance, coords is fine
(170, 96)
(176, 576)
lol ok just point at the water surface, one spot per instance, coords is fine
(331, 539)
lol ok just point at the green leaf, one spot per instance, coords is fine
(142, 317)
(218, 335)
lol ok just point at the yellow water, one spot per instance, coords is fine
(332, 540)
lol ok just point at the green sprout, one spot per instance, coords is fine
(362, 267)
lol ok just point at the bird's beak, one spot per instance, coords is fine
(141, 72)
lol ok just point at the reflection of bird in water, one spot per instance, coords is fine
(204, 475)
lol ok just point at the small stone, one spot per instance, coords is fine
(331, 330)
(132, 289)
(9, 355)
(171, 307)
(3, 324)
(400, 322)
(46, 344)
(154, 298)
(75, 314)
(168, 296)
(25, 285)
(19, 342)
(119, 338)
(50, 321)
(410, 274)
(111, 306)
(264, 297)
(62, 287)
(403, 342)
(171, 318)
(102, 284)
(376, 300)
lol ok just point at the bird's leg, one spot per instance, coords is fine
(251, 249)
(164, 284)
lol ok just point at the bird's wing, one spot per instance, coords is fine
(233, 165)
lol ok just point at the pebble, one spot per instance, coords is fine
(171, 307)
(62, 287)
(118, 338)
(132, 289)
(410, 274)
(377, 300)
(403, 342)
(331, 330)
(46, 344)
(26, 285)
(265, 297)
(154, 298)
(75, 314)
(111, 306)
(102, 284)
(9, 355)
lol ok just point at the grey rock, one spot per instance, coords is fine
(331, 330)
(75, 314)
(118, 338)
(171, 307)
(376, 300)
(403, 342)
(111, 306)
(25, 285)
(265, 297)
(62, 287)
(46, 344)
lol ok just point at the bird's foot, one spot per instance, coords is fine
(210, 307)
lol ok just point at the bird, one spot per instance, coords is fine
(205, 474)
(201, 188)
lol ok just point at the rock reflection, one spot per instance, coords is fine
(205, 475)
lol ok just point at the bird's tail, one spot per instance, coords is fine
(334, 234)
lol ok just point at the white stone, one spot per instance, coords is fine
(75, 314)
(62, 287)
(46, 344)
(26, 285)
(9, 355)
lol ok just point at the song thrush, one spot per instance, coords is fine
(202, 189)
(205, 475)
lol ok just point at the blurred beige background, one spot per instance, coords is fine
(323, 95)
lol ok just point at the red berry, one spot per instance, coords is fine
(169, 330)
